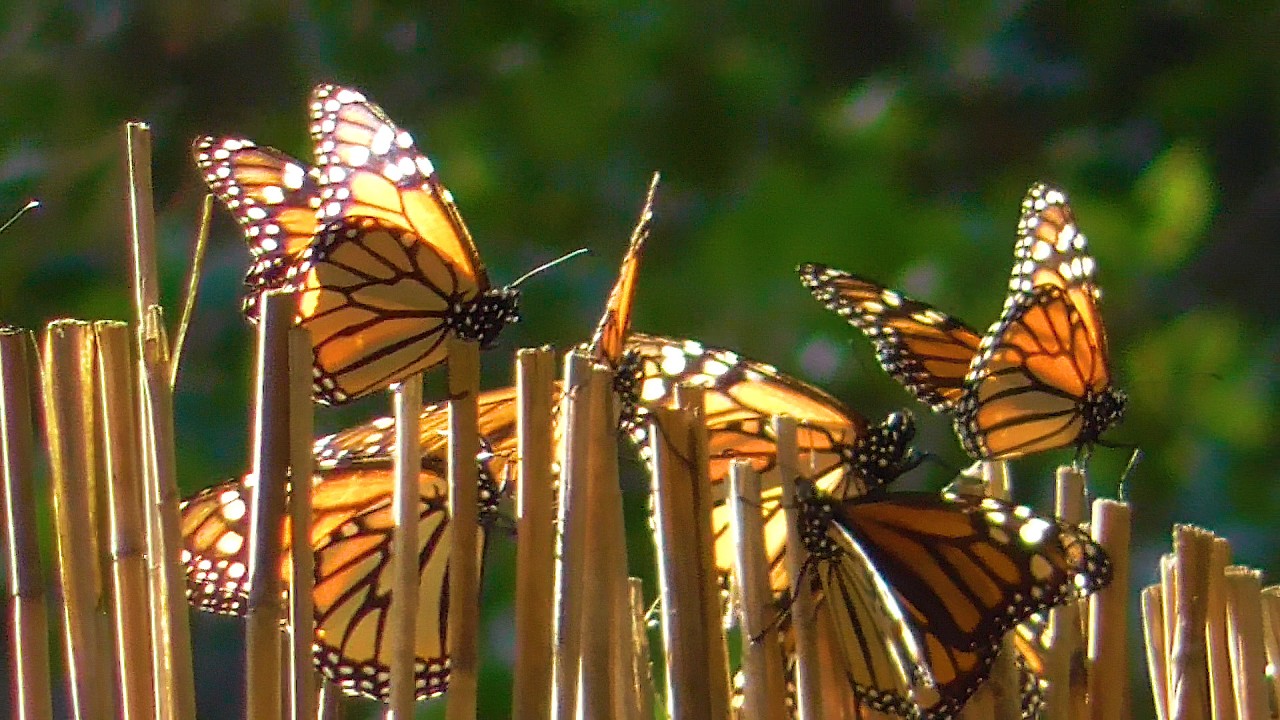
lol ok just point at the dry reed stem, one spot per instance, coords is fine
(763, 694)
(676, 533)
(1221, 695)
(641, 664)
(1247, 647)
(29, 641)
(193, 286)
(1188, 662)
(126, 507)
(329, 703)
(574, 534)
(1108, 616)
(170, 628)
(1062, 699)
(1271, 623)
(402, 615)
(263, 660)
(464, 525)
(804, 628)
(535, 552)
(1152, 600)
(693, 397)
(68, 380)
(302, 687)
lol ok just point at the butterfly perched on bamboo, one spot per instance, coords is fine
(351, 533)
(1039, 379)
(372, 242)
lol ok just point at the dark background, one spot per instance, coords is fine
(893, 140)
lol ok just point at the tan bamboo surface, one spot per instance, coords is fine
(170, 631)
(1109, 615)
(764, 693)
(263, 660)
(641, 664)
(535, 552)
(1222, 699)
(402, 615)
(574, 536)
(1247, 646)
(126, 507)
(1271, 624)
(68, 378)
(1063, 700)
(29, 644)
(464, 525)
(302, 578)
(1188, 667)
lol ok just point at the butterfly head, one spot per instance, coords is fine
(1104, 410)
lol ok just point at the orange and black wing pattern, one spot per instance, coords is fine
(609, 340)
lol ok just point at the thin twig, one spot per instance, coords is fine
(193, 286)
(402, 615)
(808, 666)
(302, 561)
(464, 569)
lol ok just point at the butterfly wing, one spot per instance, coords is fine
(1041, 379)
(273, 196)
(609, 340)
(927, 351)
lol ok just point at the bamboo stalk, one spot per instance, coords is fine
(464, 525)
(402, 615)
(1061, 698)
(170, 629)
(29, 648)
(302, 687)
(808, 665)
(1188, 666)
(535, 553)
(263, 662)
(1108, 616)
(329, 705)
(574, 536)
(1153, 632)
(69, 431)
(763, 693)
(1271, 623)
(126, 505)
(1221, 695)
(641, 664)
(1245, 634)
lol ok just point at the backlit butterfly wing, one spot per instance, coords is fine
(927, 351)
(609, 340)
(1041, 379)
(842, 452)
(920, 588)
(273, 196)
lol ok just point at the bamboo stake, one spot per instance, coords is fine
(808, 666)
(29, 648)
(1108, 616)
(302, 687)
(1271, 623)
(763, 695)
(535, 553)
(1221, 696)
(263, 664)
(1066, 644)
(330, 701)
(574, 537)
(1244, 632)
(402, 616)
(464, 525)
(1188, 666)
(68, 391)
(170, 631)
(641, 664)
(126, 505)
(1153, 633)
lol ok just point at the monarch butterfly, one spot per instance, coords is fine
(1038, 380)
(919, 588)
(371, 240)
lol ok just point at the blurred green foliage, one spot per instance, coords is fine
(893, 140)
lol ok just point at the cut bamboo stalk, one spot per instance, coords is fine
(808, 666)
(1188, 663)
(170, 628)
(302, 576)
(763, 692)
(1271, 623)
(641, 663)
(675, 531)
(1153, 633)
(402, 615)
(693, 397)
(535, 553)
(1066, 644)
(1108, 616)
(614, 530)
(29, 648)
(574, 536)
(464, 525)
(1245, 635)
(126, 506)
(329, 705)
(263, 661)
(1221, 695)
(69, 435)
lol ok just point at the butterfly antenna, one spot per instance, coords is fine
(31, 205)
(193, 284)
(1134, 459)
(547, 266)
